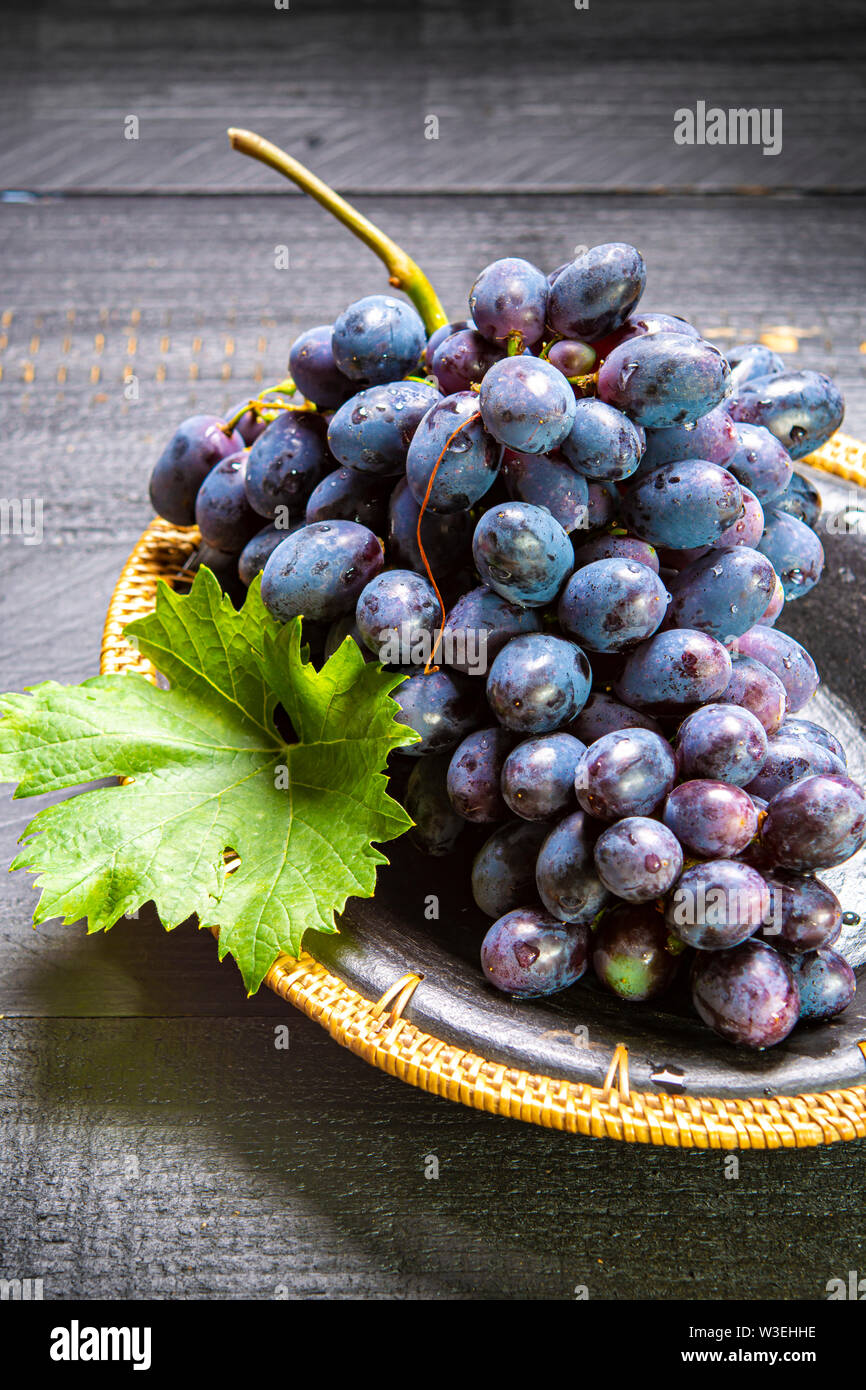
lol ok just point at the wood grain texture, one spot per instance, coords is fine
(527, 93)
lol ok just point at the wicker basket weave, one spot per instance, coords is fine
(378, 1032)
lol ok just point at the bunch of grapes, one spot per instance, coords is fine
(572, 526)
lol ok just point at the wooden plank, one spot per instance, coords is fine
(529, 95)
(192, 1159)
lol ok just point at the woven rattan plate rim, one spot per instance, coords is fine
(377, 1031)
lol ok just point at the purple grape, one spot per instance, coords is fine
(794, 551)
(526, 404)
(378, 339)
(257, 552)
(447, 538)
(748, 995)
(815, 823)
(222, 513)
(712, 819)
(724, 593)
(802, 409)
(437, 825)
(523, 553)
(438, 336)
(625, 774)
(565, 874)
(722, 742)
(638, 859)
(718, 905)
(813, 733)
(572, 357)
(347, 495)
(537, 683)
(611, 605)
(452, 476)
(614, 546)
(602, 714)
(196, 446)
(602, 503)
(674, 670)
(546, 482)
(638, 325)
(398, 609)
(538, 776)
(748, 528)
(683, 504)
(630, 952)
(712, 437)
(249, 425)
(286, 463)
(786, 659)
(788, 760)
(314, 371)
(509, 300)
(774, 607)
(804, 913)
(595, 293)
(528, 953)
(826, 984)
(463, 360)
(475, 775)
(372, 431)
(801, 499)
(478, 627)
(664, 379)
(441, 707)
(503, 871)
(319, 571)
(751, 360)
(602, 442)
(760, 463)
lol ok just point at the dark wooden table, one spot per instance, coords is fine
(155, 1142)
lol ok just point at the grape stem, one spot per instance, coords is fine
(403, 273)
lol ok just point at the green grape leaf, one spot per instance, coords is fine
(211, 779)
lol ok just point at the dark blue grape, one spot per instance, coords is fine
(438, 336)
(475, 775)
(257, 552)
(826, 984)
(760, 462)
(813, 733)
(611, 605)
(748, 528)
(478, 627)
(397, 614)
(800, 499)
(378, 339)
(347, 495)
(718, 905)
(538, 776)
(522, 552)
(723, 742)
(815, 823)
(664, 379)
(572, 357)
(794, 551)
(314, 371)
(788, 760)
(503, 871)
(463, 360)
(509, 299)
(750, 360)
(683, 504)
(638, 859)
(712, 437)
(447, 538)
(613, 545)
(597, 291)
(526, 404)
(372, 431)
(442, 707)
(320, 570)
(602, 503)
(455, 477)
(711, 818)
(747, 995)
(602, 442)
(638, 325)
(754, 686)
(804, 915)
(437, 825)
(528, 953)
(286, 463)
(602, 714)
(724, 593)
(673, 670)
(537, 683)
(625, 774)
(802, 409)
(631, 955)
(222, 513)
(546, 482)
(196, 446)
(786, 659)
(565, 875)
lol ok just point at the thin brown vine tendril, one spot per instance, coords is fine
(429, 668)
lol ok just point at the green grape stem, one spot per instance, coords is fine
(403, 272)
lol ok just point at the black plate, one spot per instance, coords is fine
(573, 1034)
